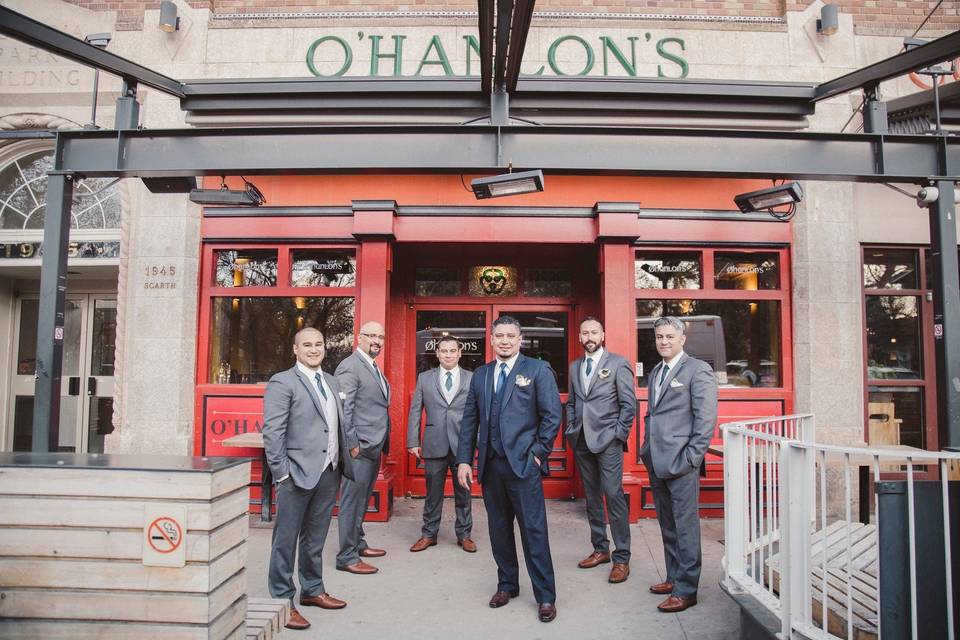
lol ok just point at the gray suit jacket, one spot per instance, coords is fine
(680, 423)
(295, 433)
(441, 434)
(366, 409)
(604, 413)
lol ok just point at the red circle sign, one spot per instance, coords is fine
(164, 535)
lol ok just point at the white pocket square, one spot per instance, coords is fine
(342, 395)
(674, 383)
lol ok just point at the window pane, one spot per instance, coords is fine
(27, 351)
(470, 327)
(667, 270)
(893, 338)
(928, 267)
(890, 269)
(748, 271)
(246, 268)
(437, 281)
(252, 338)
(896, 416)
(493, 280)
(740, 339)
(103, 351)
(545, 338)
(323, 268)
(547, 283)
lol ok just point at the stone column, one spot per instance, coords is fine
(157, 325)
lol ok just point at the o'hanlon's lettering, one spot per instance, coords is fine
(235, 427)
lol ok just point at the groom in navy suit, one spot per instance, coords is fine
(511, 417)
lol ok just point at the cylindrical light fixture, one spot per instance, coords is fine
(169, 22)
(829, 22)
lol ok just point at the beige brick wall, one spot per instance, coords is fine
(886, 17)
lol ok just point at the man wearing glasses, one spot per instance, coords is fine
(366, 402)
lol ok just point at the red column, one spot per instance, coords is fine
(618, 227)
(373, 222)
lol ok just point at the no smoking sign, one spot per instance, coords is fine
(164, 534)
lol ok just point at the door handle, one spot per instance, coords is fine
(91, 386)
(73, 385)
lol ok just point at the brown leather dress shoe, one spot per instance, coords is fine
(423, 543)
(594, 559)
(370, 552)
(468, 545)
(324, 601)
(674, 604)
(361, 568)
(297, 621)
(662, 588)
(619, 572)
(547, 612)
(501, 598)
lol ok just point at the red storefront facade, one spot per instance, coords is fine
(420, 254)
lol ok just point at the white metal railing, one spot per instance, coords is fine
(789, 529)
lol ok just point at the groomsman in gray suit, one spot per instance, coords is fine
(308, 446)
(442, 393)
(366, 402)
(600, 415)
(679, 423)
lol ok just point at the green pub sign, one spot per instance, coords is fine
(388, 57)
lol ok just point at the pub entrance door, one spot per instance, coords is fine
(546, 336)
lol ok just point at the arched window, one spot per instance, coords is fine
(23, 193)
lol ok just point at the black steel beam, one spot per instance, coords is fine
(501, 44)
(485, 16)
(946, 313)
(50, 323)
(466, 149)
(945, 48)
(29, 31)
(519, 28)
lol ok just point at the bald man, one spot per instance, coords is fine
(366, 402)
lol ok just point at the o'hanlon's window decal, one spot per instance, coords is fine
(667, 270)
(23, 196)
(493, 281)
(246, 268)
(746, 271)
(323, 268)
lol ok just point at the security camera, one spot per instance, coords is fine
(927, 195)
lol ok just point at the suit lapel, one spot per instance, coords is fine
(578, 378)
(518, 369)
(438, 380)
(601, 363)
(664, 389)
(311, 391)
(384, 386)
(488, 386)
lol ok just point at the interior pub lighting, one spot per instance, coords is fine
(508, 184)
(765, 199)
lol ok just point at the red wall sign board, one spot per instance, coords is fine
(228, 416)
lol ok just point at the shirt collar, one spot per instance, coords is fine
(455, 371)
(307, 371)
(674, 360)
(365, 357)
(510, 362)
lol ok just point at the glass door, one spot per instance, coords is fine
(86, 393)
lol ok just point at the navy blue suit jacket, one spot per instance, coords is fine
(529, 416)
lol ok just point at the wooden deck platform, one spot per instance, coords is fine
(266, 617)
(858, 568)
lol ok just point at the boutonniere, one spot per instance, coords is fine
(522, 381)
(603, 373)
(342, 395)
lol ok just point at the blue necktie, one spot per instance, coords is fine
(449, 382)
(589, 367)
(663, 375)
(501, 379)
(319, 380)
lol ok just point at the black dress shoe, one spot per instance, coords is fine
(501, 598)
(547, 612)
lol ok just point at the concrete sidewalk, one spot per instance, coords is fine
(443, 591)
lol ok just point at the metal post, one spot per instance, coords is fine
(946, 313)
(53, 291)
(128, 109)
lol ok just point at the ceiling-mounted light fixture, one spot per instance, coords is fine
(829, 21)
(169, 22)
(508, 184)
(249, 196)
(767, 199)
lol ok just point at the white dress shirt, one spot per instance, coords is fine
(595, 357)
(496, 370)
(455, 377)
(329, 413)
(657, 387)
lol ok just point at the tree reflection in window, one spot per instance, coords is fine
(246, 268)
(667, 271)
(252, 338)
(23, 194)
